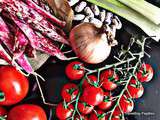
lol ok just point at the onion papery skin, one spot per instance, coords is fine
(89, 43)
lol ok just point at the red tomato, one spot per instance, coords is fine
(27, 112)
(13, 84)
(69, 92)
(107, 102)
(3, 111)
(117, 118)
(98, 116)
(74, 71)
(117, 115)
(93, 95)
(77, 117)
(63, 113)
(92, 78)
(145, 74)
(84, 108)
(108, 79)
(135, 88)
(126, 104)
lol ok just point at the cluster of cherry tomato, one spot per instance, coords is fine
(92, 98)
(14, 87)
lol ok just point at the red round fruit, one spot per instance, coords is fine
(74, 71)
(3, 111)
(27, 112)
(77, 117)
(107, 102)
(108, 79)
(13, 84)
(63, 113)
(93, 95)
(84, 108)
(69, 92)
(135, 88)
(98, 116)
(126, 104)
(92, 78)
(117, 115)
(145, 73)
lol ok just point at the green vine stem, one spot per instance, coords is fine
(128, 62)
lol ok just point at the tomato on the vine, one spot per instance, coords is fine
(63, 112)
(108, 79)
(93, 95)
(13, 85)
(99, 116)
(126, 104)
(145, 73)
(117, 115)
(74, 71)
(77, 117)
(135, 88)
(3, 111)
(69, 92)
(27, 112)
(84, 108)
(91, 78)
(107, 102)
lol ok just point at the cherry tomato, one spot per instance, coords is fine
(145, 74)
(108, 79)
(69, 92)
(98, 116)
(84, 108)
(93, 80)
(63, 113)
(93, 95)
(27, 112)
(135, 88)
(74, 70)
(13, 84)
(126, 104)
(3, 111)
(107, 102)
(77, 117)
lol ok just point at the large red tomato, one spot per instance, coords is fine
(126, 104)
(145, 73)
(26, 112)
(108, 79)
(13, 84)
(92, 79)
(84, 108)
(98, 116)
(74, 71)
(63, 113)
(135, 88)
(3, 111)
(93, 95)
(69, 92)
(77, 117)
(107, 102)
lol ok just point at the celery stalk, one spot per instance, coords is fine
(131, 15)
(145, 8)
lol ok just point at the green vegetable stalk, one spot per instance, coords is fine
(149, 27)
(143, 7)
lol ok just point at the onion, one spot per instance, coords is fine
(89, 43)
